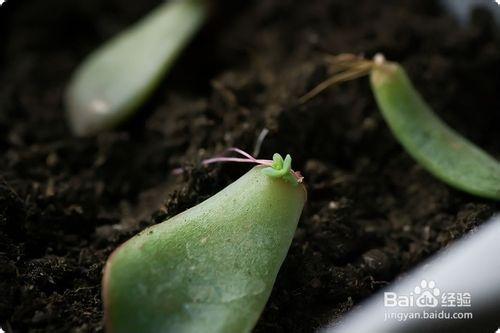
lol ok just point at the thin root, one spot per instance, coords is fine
(247, 158)
(345, 67)
(260, 140)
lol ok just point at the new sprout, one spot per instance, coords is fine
(212, 267)
(277, 167)
(118, 77)
(438, 148)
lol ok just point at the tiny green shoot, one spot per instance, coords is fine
(281, 169)
(212, 267)
(114, 81)
(441, 150)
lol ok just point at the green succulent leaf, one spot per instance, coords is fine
(117, 78)
(209, 269)
(437, 147)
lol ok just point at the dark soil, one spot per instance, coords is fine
(372, 214)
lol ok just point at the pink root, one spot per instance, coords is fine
(247, 158)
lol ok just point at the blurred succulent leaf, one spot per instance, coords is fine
(118, 77)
